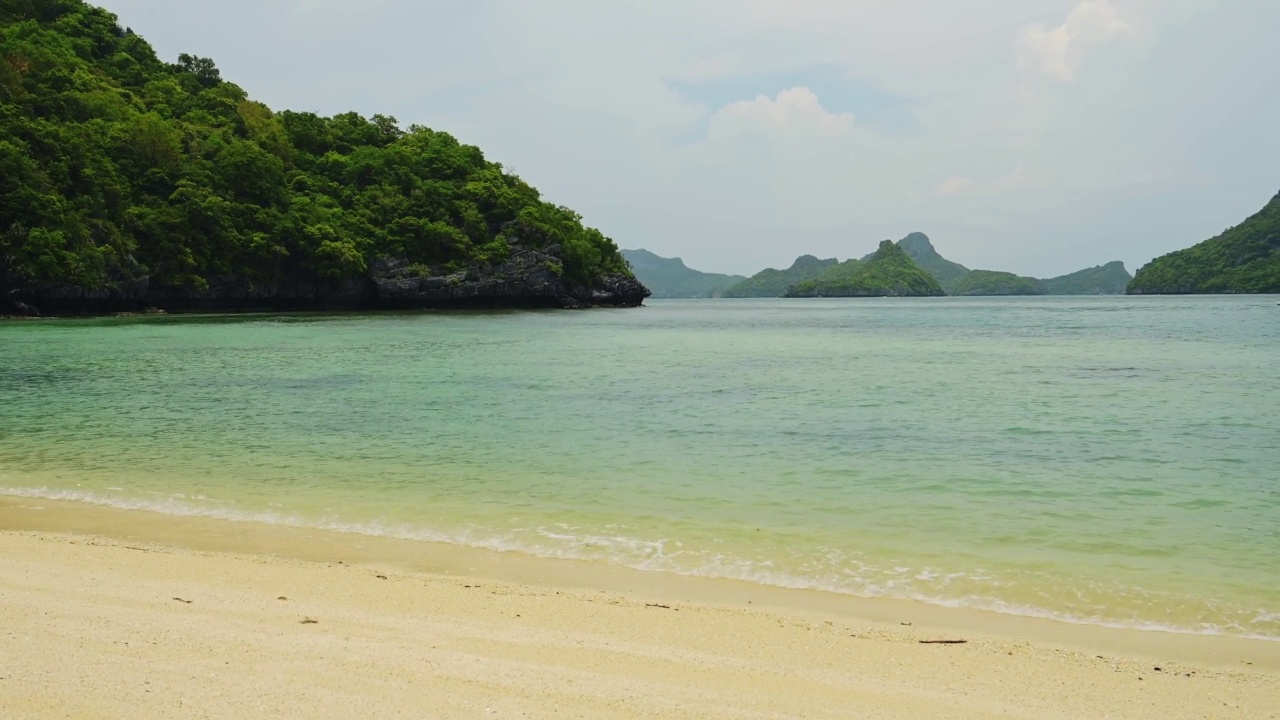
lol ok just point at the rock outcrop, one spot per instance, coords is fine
(526, 279)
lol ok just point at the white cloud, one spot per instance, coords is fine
(1058, 51)
(793, 113)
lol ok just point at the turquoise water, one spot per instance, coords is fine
(1106, 460)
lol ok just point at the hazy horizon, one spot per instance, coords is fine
(871, 248)
(1034, 136)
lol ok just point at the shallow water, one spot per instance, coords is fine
(1109, 460)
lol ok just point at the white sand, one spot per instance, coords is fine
(92, 627)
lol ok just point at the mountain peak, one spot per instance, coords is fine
(888, 249)
(917, 245)
(810, 262)
(889, 272)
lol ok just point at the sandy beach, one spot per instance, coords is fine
(117, 614)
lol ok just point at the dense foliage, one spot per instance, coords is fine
(834, 273)
(920, 249)
(1109, 279)
(957, 279)
(889, 272)
(775, 283)
(991, 282)
(810, 274)
(1244, 259)
(114, 164)
(671, 278)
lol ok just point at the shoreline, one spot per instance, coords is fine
(460, 557)
(292, 543)
(267, 311)
(113, 613)
(102, 628)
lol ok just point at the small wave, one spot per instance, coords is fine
(649, 556)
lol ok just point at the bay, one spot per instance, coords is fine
(1108, 460)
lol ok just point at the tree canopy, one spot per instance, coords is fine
(920, 249)
(1109, 279)
(992, 282)
(1244, 259)
(775, 283)
(115, 164)
(890, 272)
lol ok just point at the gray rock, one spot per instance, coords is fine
(526, 279)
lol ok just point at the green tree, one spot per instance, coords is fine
(114, 165)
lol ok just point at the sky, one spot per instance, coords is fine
(1034, 136)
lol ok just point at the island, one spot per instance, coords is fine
(920, 249)
(956, 279)
(890, 272)
(991, 282)
(772, 283)
(1244, 259)
(129, 183)
(671, 278)
(1109, 279)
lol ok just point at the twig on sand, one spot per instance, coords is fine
(943, 642)
(656, 605)
(309, 621)
(184, 601)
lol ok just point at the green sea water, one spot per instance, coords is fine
(1105, 460)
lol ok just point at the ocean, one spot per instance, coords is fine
(1102, 460)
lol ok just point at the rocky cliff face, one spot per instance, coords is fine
(526, 279)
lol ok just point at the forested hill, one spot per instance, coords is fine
(889, 272)
(127, 182)
(920, 249)
(671, 278)
(775, 283)
(1109, 279)
(1244, 259)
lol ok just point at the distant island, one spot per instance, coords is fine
(671, 278)
(918, 247)
(991, 282)
(1109, 279)
(1244, 259)
(810, 275)
(775, 283)
(956, 279)
(129, 183)
(889, 272)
